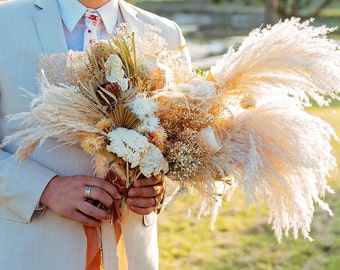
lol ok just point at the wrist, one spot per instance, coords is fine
(45, 196)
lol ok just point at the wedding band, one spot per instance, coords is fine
(87, 192)
(154, 197)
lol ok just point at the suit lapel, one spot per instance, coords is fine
(49, 27)
(129, 16)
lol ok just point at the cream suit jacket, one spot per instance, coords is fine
(30, 28)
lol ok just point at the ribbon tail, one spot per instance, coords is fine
(121, 252)
(94, 259)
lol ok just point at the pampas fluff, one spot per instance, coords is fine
(276, 150)
(58, 112)
(289, 58)
(282, 155)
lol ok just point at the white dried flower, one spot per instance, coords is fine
(210, 139)
(143, 106)
(134, 148)
(115, 71)
(128, 144)
(148, 124)
(153, 162)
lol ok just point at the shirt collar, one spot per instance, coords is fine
(71, 11)
(109, 14)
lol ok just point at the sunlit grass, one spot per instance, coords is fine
(242, 239)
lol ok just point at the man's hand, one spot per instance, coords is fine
(146, 195)
(66, 197)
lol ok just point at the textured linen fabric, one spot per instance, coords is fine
(30, 28)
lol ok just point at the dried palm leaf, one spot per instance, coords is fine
(123, 117)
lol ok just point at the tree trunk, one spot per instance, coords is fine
(271, 11)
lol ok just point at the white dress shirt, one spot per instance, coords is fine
(72, 15)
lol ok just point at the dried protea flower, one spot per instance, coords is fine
(101, 50)
(109, 93)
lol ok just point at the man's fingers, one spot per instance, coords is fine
(142, 210)
(144, 182)
(85, 220)
(145, 195)
(99, 194)
(143, 202)
(104, 185)
(92, 211)
(72, 196)
(146, 191)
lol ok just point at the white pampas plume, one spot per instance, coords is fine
(281, 154)
(290, 57)
(58, 112)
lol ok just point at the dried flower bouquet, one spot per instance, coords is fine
(139, 108)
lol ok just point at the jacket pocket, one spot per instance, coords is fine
(149, 219)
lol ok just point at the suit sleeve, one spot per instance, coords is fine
(21, 187)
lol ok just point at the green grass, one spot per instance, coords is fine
(242, 239)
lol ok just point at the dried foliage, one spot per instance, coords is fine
(139, 109)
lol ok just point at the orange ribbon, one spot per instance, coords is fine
(121, 252)
(94, 260)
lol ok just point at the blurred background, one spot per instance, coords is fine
(242, 238)
(213, 26)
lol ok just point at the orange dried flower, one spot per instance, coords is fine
(157, 137)
(156, 79)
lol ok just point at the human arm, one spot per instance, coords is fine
(24, 186)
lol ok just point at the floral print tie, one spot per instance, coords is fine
(92, 20)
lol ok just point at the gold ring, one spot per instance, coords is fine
(87, 192)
